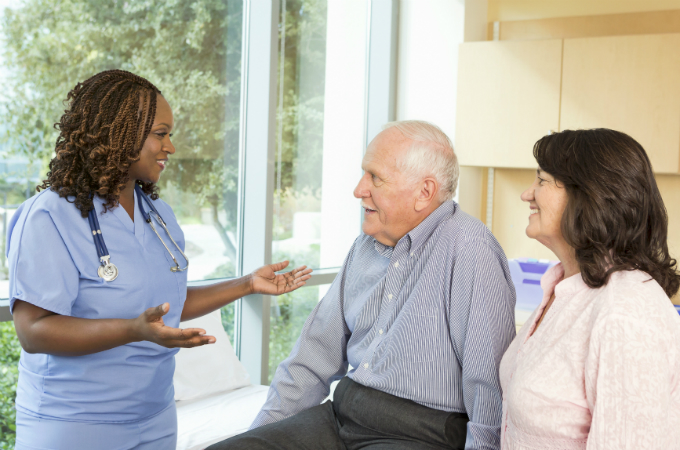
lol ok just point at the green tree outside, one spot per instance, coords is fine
(191, 50)
(10, 350)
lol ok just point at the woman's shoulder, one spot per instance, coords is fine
(51, 201)
(636, 297)
(48, 201)
(40, 214)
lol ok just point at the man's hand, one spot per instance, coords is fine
(265, 280)
(149, 326)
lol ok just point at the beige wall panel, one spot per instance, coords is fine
(669, 186)
(508, 98)
(503, 10)
(470, 190)
(655, 22)
(627, 83)
(511, 215)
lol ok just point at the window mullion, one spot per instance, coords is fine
(258, 122)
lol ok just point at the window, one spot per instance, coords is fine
(190, 50)
(288, 315)
(319, 146)
(211, 59)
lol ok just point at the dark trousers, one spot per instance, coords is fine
(358, 418)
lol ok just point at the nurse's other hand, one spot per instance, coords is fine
(265, 280)
(149, 326)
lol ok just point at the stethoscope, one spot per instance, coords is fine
(107, 270)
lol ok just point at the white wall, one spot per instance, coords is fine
(427, 68)
(430, 32)
(343, 133)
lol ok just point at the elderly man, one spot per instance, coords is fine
(421, 312)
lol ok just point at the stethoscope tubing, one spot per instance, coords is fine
(147, 216)
(100, 244)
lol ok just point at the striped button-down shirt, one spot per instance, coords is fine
(427, 320)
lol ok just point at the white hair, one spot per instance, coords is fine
(430, 155)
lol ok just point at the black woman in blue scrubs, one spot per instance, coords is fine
(98, 282)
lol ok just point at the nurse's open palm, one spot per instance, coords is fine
(265, 280)
(150, 327)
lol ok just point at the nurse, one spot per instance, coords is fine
(98, 281)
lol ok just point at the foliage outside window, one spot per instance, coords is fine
(299, 154)
(191, 50)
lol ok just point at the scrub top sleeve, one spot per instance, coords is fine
(41, 269)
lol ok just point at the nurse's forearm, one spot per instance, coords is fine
(41, 331)
(202, 300)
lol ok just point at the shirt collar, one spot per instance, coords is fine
(554, 279)
(415, 238)
(424, 230)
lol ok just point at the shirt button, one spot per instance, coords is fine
(380, 331)
(396, 264)
(366, 366)
(389, 296)
(411, 253)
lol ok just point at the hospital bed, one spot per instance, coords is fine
(214, 395)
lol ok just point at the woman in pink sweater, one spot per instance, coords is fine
(597, 365)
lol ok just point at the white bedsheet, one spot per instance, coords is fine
(208, 420)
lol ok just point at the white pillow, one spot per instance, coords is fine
(209, 369)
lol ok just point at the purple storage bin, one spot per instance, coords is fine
(526, 275)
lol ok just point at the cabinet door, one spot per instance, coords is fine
(629, 84)
(508, 98)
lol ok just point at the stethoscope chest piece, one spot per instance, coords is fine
(107, 271)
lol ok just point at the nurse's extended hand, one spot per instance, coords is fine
(265, 280)
(149, 326)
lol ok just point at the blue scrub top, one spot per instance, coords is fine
(53, 264)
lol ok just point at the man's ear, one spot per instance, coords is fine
(429, 188)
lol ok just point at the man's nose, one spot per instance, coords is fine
(360, 191)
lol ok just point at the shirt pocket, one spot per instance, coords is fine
(420, 338)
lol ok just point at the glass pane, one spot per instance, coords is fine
(190, 50)
(288, 315)
(320, 126)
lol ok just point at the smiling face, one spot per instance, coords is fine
(547, 200)
(157, 147)
(389, 201)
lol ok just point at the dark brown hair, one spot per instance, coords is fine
(615, 218)
(109, 117)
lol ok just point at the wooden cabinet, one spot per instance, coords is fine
(512, 93)
(626, 83)
(508, 98)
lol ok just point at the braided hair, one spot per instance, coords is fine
(102, 132)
